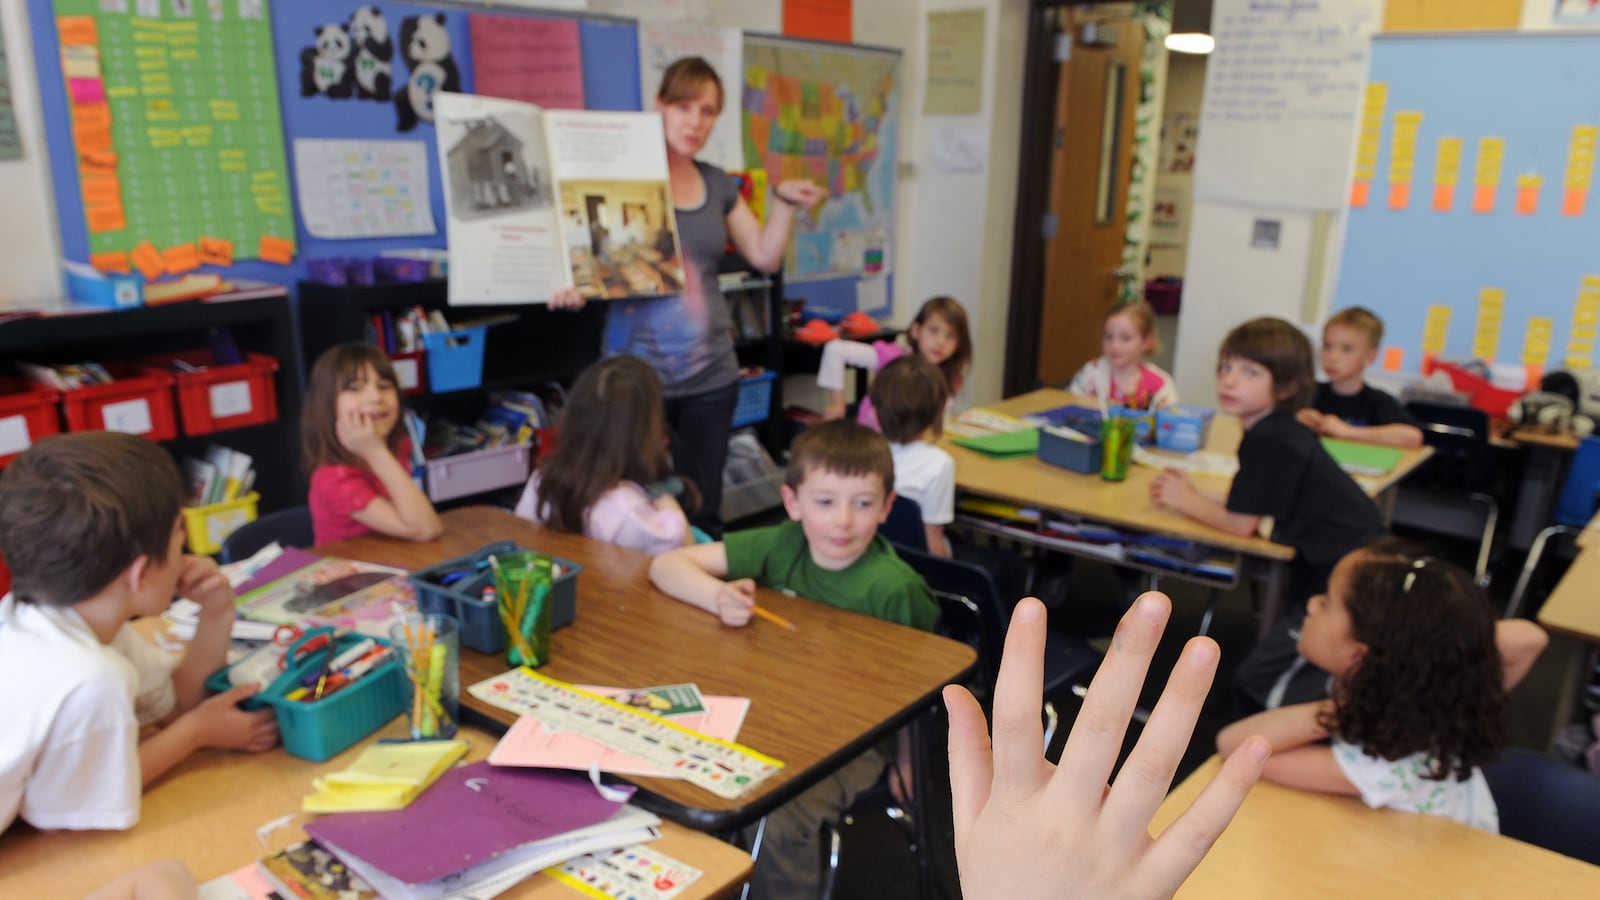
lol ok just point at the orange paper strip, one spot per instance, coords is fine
(88, 140)
(1393, 359)
(825, 20)
(77, 30)
(1527, 201)
(216, 251)
(91, 115)
(1399, 195)
(102, 192)
(99, 159)
(276, 250)
(114, 261)
(181, 258)
(1427, 362)
(147, 259)
(1359, 192)
(1572, 203)
(1535, 375)
(105, 218)
(1483, 199)
(1444, 197)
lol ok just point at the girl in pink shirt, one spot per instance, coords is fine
(1121, 377)
(609, 476)
(939, 334)
(357, 455)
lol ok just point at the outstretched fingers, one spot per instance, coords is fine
(1019, 765)
(1187, 840)
(971, 765)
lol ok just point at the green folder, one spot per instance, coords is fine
(1010, 445)
(1362, 459)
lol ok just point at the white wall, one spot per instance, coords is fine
(1186, 82)
(29, 234)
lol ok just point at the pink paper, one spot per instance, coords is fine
(533, 60)
(529, 743)
(86, 90)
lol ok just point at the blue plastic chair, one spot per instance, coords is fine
(1574, 508)
(290, 527)
(904, 526)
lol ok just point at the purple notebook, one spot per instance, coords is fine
(293, 559)
(471, 814)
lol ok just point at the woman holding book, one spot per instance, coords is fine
(687, 337)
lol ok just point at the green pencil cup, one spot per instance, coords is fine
(523, 582)
(1117, 433)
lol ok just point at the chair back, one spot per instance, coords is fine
(967, 596)
(904, 526)
(1547, 802)
(290, 527)
(1576, 505)
(1459, 436)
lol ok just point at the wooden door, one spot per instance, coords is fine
(1097, 94)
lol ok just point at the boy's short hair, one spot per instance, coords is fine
(1284, 351)
(843, 448)
(909, 396)
(77, 509)
(1358, 318)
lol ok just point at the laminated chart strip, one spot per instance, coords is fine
(1536, 347)
(176, 132)
(1486, 177)
(635, 872)
(1435, 332)
(1368, 142)
(1491, 315)
(1585, 322)
(1446, 173)
(1528, 186)
(1580, 169)
(1403, 158)
(722, 767)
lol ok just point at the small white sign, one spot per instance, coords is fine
(230, 398)
(14, 436)
(129, 416)
(406, 371)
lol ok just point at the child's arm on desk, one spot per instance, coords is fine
(166, 879)
(1297, 760)
(1173, 490)
(695, 575)
(1395, 434)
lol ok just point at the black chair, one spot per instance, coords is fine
(904, 526)
(1459, 473)
(1547, 802)
(290, 527)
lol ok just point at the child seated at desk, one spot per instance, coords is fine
(837, 491)
(90, 525)
(1345, 406)
(910, 396)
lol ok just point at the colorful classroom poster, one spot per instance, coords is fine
(823, 20)
(660, 43)
(1452, 15)
(534, 60)
(827, 114)
(955, 62)
(1574, 12)
(1373, 99)
(10, 139)
(175, 124)
(352, 189)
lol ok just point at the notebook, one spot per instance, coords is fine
(1362, 459)
(1010, 445)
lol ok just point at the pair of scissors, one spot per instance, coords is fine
(300, 643)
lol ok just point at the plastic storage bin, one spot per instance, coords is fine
(208, 526)
(411, 370)
(138, 402)
(755, 399)
(1182, 428)
(463, 474)
(1077, 456)
(323, 728)
(455, 359)
(481, 629)
(28, 412)
(217, 398)
(1481, 393)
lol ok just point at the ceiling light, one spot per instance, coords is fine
(1193, 42)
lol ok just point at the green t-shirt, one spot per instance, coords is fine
(879, 584)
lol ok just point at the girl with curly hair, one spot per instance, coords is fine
(1419, 699)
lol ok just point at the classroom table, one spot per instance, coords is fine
(1033, 483)
(821, 694)
(206, 811)
(1573, 609)
(1290, 843)
(1547, 456)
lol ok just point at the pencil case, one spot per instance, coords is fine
(442, 589)
(319, 729)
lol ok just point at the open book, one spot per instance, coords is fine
(539, 200)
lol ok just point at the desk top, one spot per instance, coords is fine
(1538, 437)
(1032, 482)
(1571, 608)
(820, 695)
(206, 812)
(1289, 843)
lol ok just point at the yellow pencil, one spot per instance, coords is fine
(772, 617)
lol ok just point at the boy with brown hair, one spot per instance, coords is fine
(1345, 406)
(837, 491)
(90, 526)
(909, 395)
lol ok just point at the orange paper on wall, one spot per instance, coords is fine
(1444, 197)
(113, 261)
(91, 115)
(106, 191)
(147, 259)
(1483, 199)
(216, 251)
(77, 30)
(105, 218)
(1399, 196)
(1393, 359)
(1535, 375)
(1527, 201)
(1359, 191)
(181, 258)
(825, 20)
(98, 159)
(1572, 203)
(276, 250)
(91, 138)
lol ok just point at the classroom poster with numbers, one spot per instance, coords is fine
(175, 125)
(1473, 222)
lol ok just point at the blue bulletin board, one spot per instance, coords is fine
(1474, 222)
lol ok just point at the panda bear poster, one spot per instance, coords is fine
(538, 200)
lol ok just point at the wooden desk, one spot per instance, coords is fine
(820, 695)
(206, 812)
(1542, 472)
(1590, 536)
(1289, 843)
(1573, 609)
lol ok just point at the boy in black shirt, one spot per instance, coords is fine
(1345, 406)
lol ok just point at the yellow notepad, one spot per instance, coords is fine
(384, 776)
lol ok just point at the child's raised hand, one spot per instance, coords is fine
(734, 600)
(202, 581)
(1026, 829)
(1169, 488)
(219, 722)
(359, 434)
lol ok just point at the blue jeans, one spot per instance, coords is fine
(699, 426)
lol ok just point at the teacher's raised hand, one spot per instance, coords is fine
(802, 193)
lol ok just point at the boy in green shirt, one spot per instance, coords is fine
(838, 489)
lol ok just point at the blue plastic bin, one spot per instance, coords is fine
(755, 399)
(481, 629)
(455, 359)
(1182, 428)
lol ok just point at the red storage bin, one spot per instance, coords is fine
(412, 370)
(138, 402)
(217, 398)
(28, 412)
(1481, 393)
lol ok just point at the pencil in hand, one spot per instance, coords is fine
(772, 617)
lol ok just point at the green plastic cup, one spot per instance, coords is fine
(1117, 434)
(523, 581)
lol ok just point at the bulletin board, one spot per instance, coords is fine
(1473, 222)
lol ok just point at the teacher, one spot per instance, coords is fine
(688, 337)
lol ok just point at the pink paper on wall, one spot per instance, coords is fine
(86, 90)
(528, 59)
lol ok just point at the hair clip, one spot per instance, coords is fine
(1417, 565)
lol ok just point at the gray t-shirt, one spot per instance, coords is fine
(687, 337)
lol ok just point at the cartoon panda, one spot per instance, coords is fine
(425, 44)
(325, 66)
(369, 35)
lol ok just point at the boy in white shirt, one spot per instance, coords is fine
(909, 395)
(90, 527)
